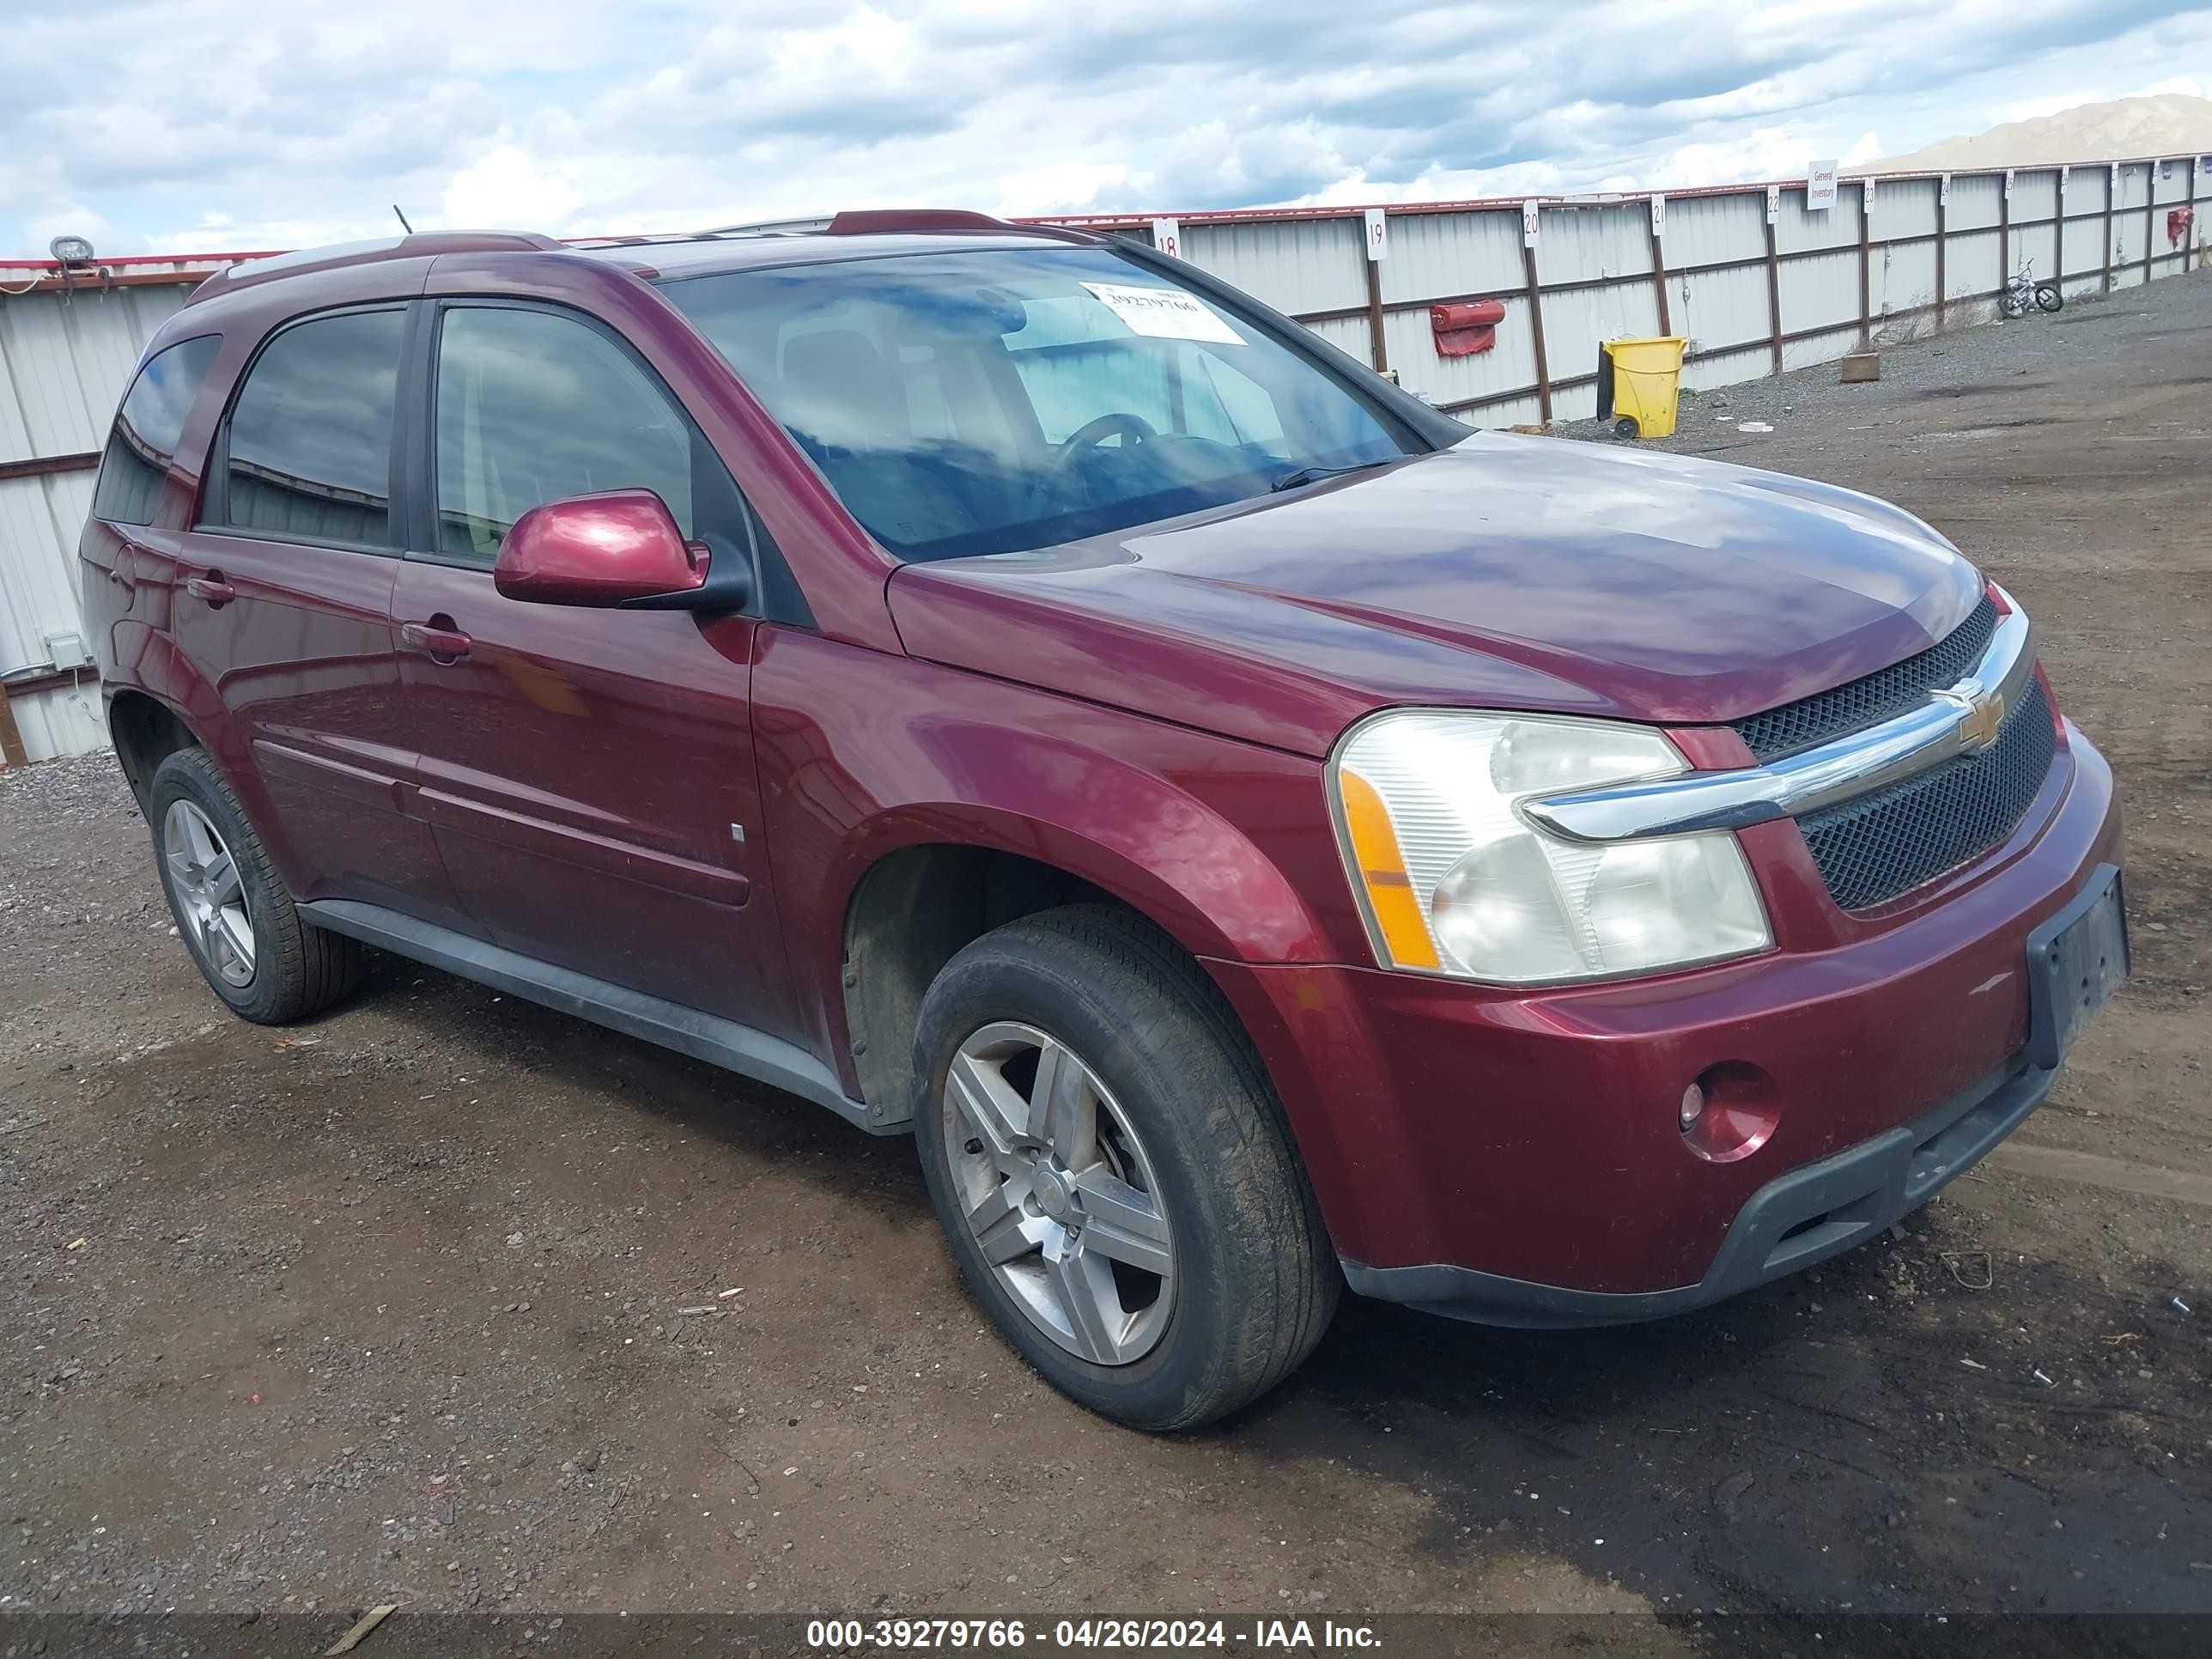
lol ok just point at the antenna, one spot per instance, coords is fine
(402, 217)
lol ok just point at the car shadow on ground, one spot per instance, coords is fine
(1825, 1447)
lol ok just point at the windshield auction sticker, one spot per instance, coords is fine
(1164, 314)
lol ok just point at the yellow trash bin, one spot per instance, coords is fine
(1639, 384)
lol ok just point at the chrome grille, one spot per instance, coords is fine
(1872, 848)
(1876, 697)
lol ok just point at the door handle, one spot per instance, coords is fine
(436, 639)
(212, 588)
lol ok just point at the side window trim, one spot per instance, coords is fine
(422, 539)
(777, 597)
(211, 514)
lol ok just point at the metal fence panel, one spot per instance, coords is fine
(1975, 200)
(1722, 309)
(1509, 365)
(1306, 264)
(1433, 254)
(1903, 281)
(1707, 230)
(1800, 229)
(1822, 291)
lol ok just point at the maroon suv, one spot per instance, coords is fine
(1257, 834)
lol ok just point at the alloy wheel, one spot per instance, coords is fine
(1060, 1193)
(210, 896)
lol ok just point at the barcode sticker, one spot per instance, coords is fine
(1163, 313)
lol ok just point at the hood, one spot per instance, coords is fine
(1506, 573)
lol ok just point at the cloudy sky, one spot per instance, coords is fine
(200, 125)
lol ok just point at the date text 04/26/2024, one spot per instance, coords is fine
(839, 1635)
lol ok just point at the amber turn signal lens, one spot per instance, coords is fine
(1383, 875)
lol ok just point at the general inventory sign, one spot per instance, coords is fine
(1820, 187)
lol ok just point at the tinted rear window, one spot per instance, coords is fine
(147, 429)
(310, 436)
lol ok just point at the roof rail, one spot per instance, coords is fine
(869, 222)
(878, 222)
(770, 227)
(416, 244)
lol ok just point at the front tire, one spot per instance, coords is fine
(2048, 297)
(1112, 1172)
(237, 920)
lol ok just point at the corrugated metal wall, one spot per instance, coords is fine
(1752, 294)
(66, 356)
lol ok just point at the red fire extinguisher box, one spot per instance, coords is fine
(1463, 330)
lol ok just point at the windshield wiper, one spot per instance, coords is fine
(1306, 475)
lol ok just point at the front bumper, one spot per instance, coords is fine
(1515, 1158)
(1794, 1221)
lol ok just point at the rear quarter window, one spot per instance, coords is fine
(147, 429)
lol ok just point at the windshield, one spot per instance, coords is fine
(994, 399)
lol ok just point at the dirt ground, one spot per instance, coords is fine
(405, 1306)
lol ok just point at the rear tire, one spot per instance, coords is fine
(238, 922)
(2012, 305)
(1210, 1275)
(2048, 297)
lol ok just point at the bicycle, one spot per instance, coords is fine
(2022, 291)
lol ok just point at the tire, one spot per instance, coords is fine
(295, 969)
(2048, 298)
(1626, 427)
(2011, 305)
(1182, 1110)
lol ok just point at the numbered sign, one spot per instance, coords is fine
(1527, 224)
(2011, 173)
(2065, 181)
(1866, 197)
(1944, 192)
(1378, 234)
(1773, 203)
(1658, 215)
(1167, 236)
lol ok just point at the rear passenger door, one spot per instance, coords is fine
(589, 773)
(283, 601)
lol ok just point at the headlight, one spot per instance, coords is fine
(1455, 880)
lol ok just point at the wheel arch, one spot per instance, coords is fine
(145, 731)
(158, 701)
(914, 890)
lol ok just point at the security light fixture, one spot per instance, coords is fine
(72, 253)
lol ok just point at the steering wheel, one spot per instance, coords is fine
(1130, 428)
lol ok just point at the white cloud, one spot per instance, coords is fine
(504, 189)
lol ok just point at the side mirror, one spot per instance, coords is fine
(621, 548)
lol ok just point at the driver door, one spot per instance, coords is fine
(588, 773)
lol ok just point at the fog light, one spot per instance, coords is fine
(1693, 1106)
(1729, 1111)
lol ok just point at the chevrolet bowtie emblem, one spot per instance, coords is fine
(1984, 711)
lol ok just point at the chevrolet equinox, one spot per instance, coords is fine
(1257, 834)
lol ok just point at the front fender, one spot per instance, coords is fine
(1225, 846)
